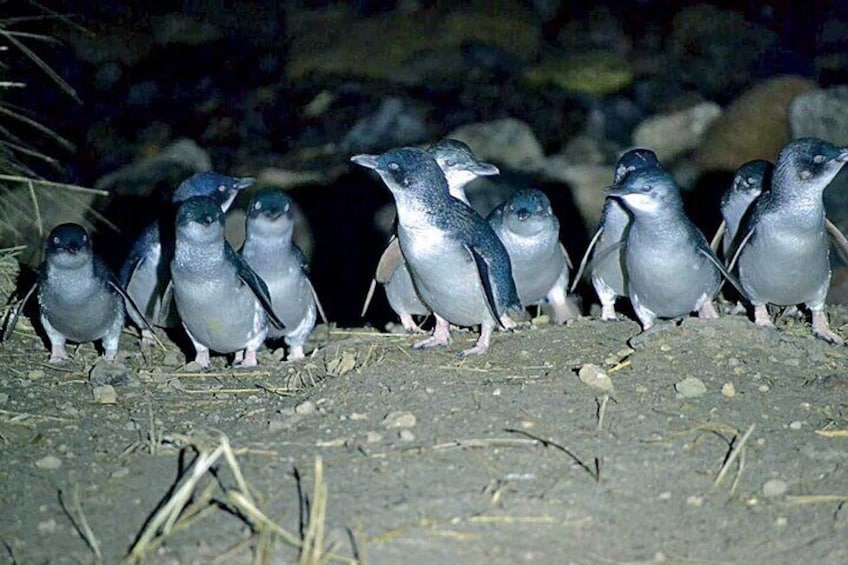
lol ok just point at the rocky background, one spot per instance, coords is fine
(552, 92)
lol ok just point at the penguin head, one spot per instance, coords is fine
(648, 192)
(751, 177)
(406, 171)
(634, 160)
(811, 161)
(270, 212)
(221, 188)
(458, 163)
(200, 219)
(68, 245)
(528, 212)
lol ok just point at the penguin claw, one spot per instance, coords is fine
(821, 328)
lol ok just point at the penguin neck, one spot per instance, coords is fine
(199, 257)
(77, 281)
(415, 212)
(666, 224)
(804, 207)
(276, 248)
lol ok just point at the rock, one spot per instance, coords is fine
(821, 113)
(508, 142)
(35, 374)
(690, 387)
(728, 390)
(193, 367)
(774, 488)
(754, 126)
(395, 123)
(399, 419)
(49, 462)
(172, 359)
(598, 73)
(671, 135)
(166, 169)
(108, 373)
(406, 435)
(373, 437)
(105, 394)
(305, 408)
(4, 398)
(595, 377)
(587, 183)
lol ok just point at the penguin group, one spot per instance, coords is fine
(446, 259)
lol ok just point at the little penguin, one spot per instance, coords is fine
(606, 247)
(670, 269)
(144, 275)
(458, 265)
(78, 296)
(782, 254)
(748, 183)
(223, 304)
(460, 167)
(269, 250)
(529, 230)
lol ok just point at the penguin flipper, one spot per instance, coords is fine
(318, 302)
(371, 288)
(249, 277)
(839, 240)
(725, 272)
(129, 303)
(722, 229)
(15, 314)
(738, 247)
(585, 258)
(483, 272)
(566, 256)
(389, 261)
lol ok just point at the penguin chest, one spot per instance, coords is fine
(537, 264)
(82, 311)
(785, 266)
(143, 285)
(445, 275)
(220, 312)
(291, 296)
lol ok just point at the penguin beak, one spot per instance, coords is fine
(245, 182)
(843, 155)
(614, 192)
(364, 160)
(484, 170)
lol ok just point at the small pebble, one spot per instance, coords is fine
(49, 462)
(690, 387)
(796, 425)
(120, 473)
(774, 488)
(278, 354)
(356, 416)
(373, 437)
(595, 377)
(399, 419)
(496, 392)
(406, 435)
(172, 359)
(47, 526)
(106, 373)
(542, 320)
(4, 398)
(105, 394)
(781, 522)
(305, 408)
(763, 388)
(695, 501)
(728, 390)
(665, 495)
(35, 374)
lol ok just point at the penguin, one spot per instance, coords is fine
(144, 274)
(529, 230)
(460, 167)
(223, 304)
(606, 247)
(78, 296)
(748, 183)
(781, 252)
(458, 265)
(270, 252)
(669, 267)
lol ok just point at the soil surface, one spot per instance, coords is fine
(505, 458)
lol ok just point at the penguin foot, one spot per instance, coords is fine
(608, 313)
(708, 311)
(761, 316)
(821, 328)
(58, 354)
(110, 355)
(481, 347)
(409, 324)
(202, 358)
(296, 353)
(245, 358)
(440, 337)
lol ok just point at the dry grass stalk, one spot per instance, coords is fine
(734, 454)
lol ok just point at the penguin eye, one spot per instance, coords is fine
(819, 159)
(221, 188)
(257, 206)
(450, 163)
(84, 237)
(286, 208)
(750, 180)
(56, 240)
(393, 166)
(550, 210)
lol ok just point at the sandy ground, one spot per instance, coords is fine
(504, 458)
